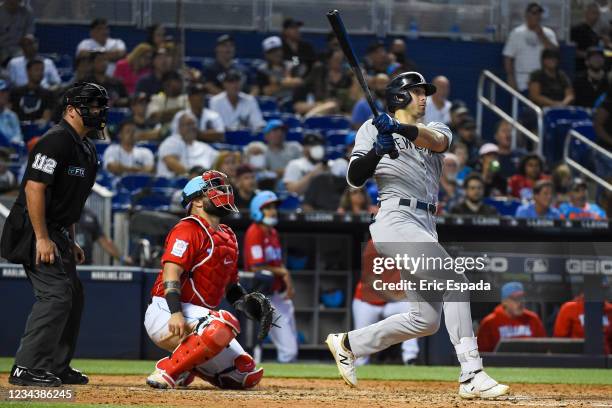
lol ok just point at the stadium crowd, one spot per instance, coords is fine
(287, 121)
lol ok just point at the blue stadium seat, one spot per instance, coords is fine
(291, 120)
(31, 130)
(162, 182)
(295, 135)
(336, 137)
(334, 152)
(503, 205)
(157, 198)
(179, 183)
(238, 137)
(290, 203)
(101, 147)
(116, 116)
(578, 150)
(122, 201)
(557, 122)
(135, 182)
(327, 122)
(149, 145)
(106, 179)
(267, 104)
(195, 62)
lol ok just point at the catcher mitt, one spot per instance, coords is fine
(257, 307)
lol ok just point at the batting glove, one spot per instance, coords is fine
(386, 124)
(384, 144)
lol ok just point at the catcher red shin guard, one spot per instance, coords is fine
(242, 375)
(212, 334)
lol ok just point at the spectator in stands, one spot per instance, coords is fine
(591, 84)
(210, 124)
(550, 86)
(361, 110)
(541, 206)
(237, 109)
(245, 188)
(295, 50)
(508, 157)
(134, 66)
(473, 204)
(461, 151)
(17, 21)
(151, 83)
(227, 162)
(450, 192)
(329, 88)
(570, 321)
(578, 207)
(216, 71)
(509, 320)
(125, 157)
(300, 172)
(275, 76)
(146, 129)
(10, 131)
(17, 69)
(117, 93)
(458, 113)
(100, 40)
(32, 102)
(164, 105)
(466, 134)
(602, 123)
(83, 69)
(523, 49)
(399, 55)
(89, 232)
(530, 170)
(254, 154)
(377, 59)
(324, 190)
(182, 151)
(156, 36)
(584, 35)
(562, 182)
(279, 152)
(356, 201)
(8, 182)
(488, 166)
(438, 106)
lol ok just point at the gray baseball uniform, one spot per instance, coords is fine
(415, 174)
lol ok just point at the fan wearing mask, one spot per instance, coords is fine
(300, 172)
(263, 255)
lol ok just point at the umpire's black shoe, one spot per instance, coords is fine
(72, 376)
(37, 378)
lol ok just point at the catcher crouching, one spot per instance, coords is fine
(199, 267)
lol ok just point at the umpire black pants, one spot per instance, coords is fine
(51, 331)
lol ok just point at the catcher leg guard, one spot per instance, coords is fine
(211, 335)
(241, 376)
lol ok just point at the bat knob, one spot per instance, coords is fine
(332, 12)
(394, 154)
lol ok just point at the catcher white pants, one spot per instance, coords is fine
(156, 324)
(365, 314)
(284, 337)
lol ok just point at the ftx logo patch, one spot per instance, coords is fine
(76, 171)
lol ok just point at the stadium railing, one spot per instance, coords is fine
(100, 202)
(585, 141)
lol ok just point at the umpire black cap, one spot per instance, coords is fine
(397, 94)
(84, 96)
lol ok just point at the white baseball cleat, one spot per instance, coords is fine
(345, 359)
(482, 386)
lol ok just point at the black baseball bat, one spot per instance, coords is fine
(335, 20)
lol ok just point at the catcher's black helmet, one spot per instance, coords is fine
(397, 94)
(84, 96)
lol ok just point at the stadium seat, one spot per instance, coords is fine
(290, 203)
(195, 62)
(156, 199)
(31, 130)
(135, 182)
(336, 137)
(101, 147)
(117, 115)
(327, 122)
(578, 150)
(106, 179)
(238, 137)
(162, 182)
(503, 205)
(291, 120)
(267, 104)
(334, 152)
(121, 201)
(557, 122)
(149, 145)
(295, 135)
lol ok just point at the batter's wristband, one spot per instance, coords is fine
(173, 299)
(410, 132)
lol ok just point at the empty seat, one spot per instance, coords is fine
(267, 104)
(117, 115)
(557, 122)
(327, 122)
(135, 182)
(336, 137)
(503, 205)
(238, 137)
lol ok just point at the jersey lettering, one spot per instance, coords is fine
(44, 163)
(256, 252)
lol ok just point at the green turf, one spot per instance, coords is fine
(371, 372)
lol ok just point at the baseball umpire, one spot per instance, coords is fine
(408, 190)
(39, 233)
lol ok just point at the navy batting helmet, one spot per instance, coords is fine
(397, 94)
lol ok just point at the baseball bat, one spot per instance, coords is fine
(335, 20)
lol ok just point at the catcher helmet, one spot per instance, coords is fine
(214, 185)
(260, 200)
(84, 96)
(397, 95)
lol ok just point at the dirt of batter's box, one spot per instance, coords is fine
(298, 393)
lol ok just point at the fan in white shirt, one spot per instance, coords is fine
(181, 151)
(210, 123)
(438, 106)
(100, 41)
(126, 158)
(237, 109)
(17, 66)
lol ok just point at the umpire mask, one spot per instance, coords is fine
(85, 97)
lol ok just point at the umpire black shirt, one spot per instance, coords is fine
(67, 164)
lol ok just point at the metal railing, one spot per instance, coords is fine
(491, 103)
(100, 202)
(577, 166)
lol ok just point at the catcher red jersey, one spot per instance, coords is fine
(208, 256)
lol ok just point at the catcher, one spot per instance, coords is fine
(199, 268)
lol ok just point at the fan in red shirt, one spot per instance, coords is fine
(531, 169)
(570, 321)
(510, 319)
(263, 253)
(199, 269)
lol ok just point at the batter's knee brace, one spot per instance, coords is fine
(242, 375)
(211, 336)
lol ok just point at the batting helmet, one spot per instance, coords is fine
(260, 200)
(397, 94)
(215, 186)
(84, 96)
